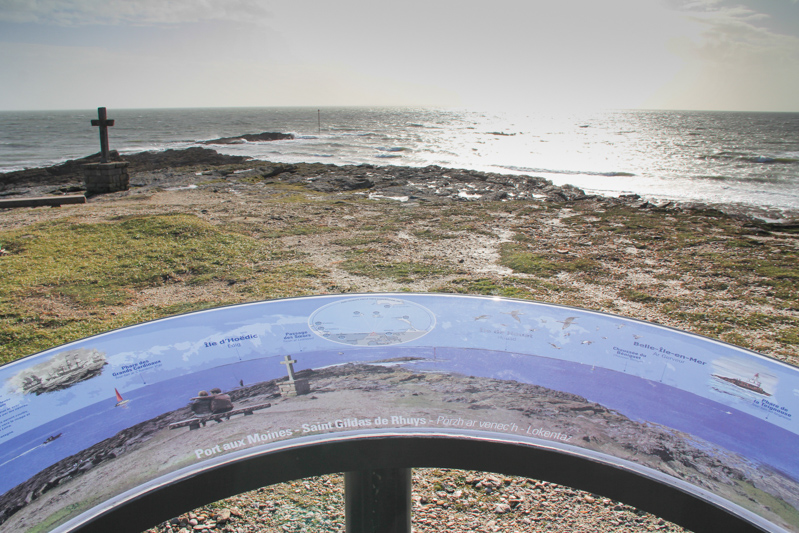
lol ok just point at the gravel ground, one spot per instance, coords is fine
(443, 500)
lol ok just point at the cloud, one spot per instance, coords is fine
(733, 57)
(134, 12)
(735, 36)
(710, 54)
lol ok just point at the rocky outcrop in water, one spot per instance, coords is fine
(252, 138)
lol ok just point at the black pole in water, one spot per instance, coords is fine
(319, 119)
(378, 501)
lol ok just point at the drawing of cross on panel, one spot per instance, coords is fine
(294, 386)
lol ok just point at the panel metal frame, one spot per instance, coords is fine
(400, 451)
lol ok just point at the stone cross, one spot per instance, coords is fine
(289, 366)
(103, 122)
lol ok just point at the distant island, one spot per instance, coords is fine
(252, 138)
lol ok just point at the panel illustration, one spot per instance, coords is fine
(86, 425)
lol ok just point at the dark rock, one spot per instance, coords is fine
(790, 226)
(67, 172)
(630, 196)
(71, 171)
(68, 189)
(277, 169)
(495, 196)
(252, 137)
(565, 193)
(340, 183)
(195, 156)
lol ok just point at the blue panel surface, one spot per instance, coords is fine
(86, 426)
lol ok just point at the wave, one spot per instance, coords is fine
(500, 133)
(611, 174)
(17, 145)
(770, 160)
(352, 133)
(393, 149)
(723, 155)
(740, 179)
(15, 168)
(714, 178)
(752, 158)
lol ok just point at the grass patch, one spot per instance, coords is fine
(781, 272)
(282, 281)
(789, 336)
(402, 271)
(518, 258)
(360, 240)
(776, 505)
(718, 323)
(62, 276)
(743, 243)
(431, 235)
(507, 287)
(635, 295)
(298, 230)
(59, 517)
(70, 259)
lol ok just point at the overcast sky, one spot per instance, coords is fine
(521, 54)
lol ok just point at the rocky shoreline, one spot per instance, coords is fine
(400, 183)
(423, 184)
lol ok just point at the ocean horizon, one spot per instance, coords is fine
(749, 159)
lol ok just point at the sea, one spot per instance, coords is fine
(730, 158)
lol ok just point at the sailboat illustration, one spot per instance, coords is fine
(121, 402)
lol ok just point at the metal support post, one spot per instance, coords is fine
(378, 501)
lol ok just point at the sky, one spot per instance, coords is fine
(737, 55)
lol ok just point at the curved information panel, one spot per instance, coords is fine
(91, 425)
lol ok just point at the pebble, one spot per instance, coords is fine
(454, 499)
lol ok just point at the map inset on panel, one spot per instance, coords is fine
(372, 321)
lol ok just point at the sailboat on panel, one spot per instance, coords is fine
(121, 402)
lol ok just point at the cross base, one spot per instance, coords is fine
(294, 388)
(101, 178)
